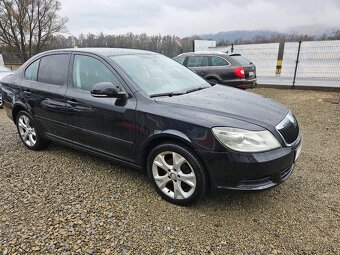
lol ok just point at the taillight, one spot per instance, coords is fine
(239, 72)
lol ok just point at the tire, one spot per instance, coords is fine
(29, 133)
(1, 102)
(214, 81)
(183, 184)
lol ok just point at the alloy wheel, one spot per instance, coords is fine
(27, 131)
(174, 175)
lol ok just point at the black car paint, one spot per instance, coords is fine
(126, 129)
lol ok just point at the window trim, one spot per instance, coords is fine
(39, 57)
(28, 65)
(101, 60)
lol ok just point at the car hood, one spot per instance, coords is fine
(232, 103)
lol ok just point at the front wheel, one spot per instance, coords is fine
(177, 174)
(28, 132)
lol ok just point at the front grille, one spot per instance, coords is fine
(288, 129)
(290, 132)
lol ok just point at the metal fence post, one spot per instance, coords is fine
(232, 48)
(296, 64)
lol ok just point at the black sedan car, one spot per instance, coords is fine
(221, 68)
(149, 112)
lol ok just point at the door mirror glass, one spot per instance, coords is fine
(107, 89)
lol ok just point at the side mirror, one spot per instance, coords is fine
(107, 89)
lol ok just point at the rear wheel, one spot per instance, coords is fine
(214, 81)
(177, 174)
(28, 132)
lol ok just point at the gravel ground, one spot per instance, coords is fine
(67, 202)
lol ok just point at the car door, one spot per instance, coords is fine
(102, 124)
(199, 64)
(44, 86)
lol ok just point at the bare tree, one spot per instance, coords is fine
(29, 25)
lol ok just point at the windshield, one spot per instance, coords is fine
(157, 74)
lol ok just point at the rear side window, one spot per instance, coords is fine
(31, 72)
(53, 69)
(87, 71)
(180, 59)
(196, 61)
(218, 61)
(243, 61)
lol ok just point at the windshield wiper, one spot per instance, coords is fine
(169, 94)
(195, 89)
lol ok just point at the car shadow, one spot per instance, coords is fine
(210, 203)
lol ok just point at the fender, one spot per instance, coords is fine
(15, 109)
(169, 133)
(157, 137)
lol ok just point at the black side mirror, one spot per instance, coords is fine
(107, 89)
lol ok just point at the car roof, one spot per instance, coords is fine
(108, 52)
(198, 53)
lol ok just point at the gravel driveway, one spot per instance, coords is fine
(67, 202)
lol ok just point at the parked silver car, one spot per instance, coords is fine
(4, 71)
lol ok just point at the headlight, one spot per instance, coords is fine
(246, 140)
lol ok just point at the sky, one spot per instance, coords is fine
(189, 17)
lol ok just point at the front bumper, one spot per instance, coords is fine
(249, 171)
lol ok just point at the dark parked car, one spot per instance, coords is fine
(233, 70)
(4, 71)
(147, 111)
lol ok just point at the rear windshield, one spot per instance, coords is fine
(243, 61)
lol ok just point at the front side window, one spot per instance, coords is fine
(31, 72)
(53, 69)
(87, 71)
(218, 61)
(197, 61)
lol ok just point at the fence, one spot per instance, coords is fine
(310, 63)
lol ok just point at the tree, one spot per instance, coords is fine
(29, 25)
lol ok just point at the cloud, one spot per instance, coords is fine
(188, 17)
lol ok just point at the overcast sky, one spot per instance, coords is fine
(188, 17)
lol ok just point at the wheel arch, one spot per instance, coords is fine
(171, 136)
(212, 77)
(16, 109)
(163, 137)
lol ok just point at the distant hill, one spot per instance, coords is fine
(235, 35)
(231, 36)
